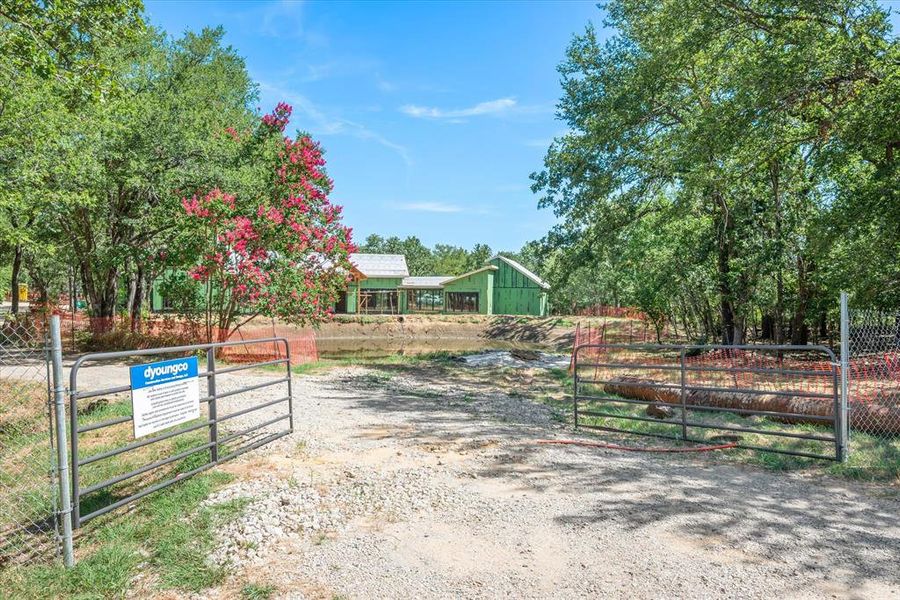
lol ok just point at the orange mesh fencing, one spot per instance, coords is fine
(81, 332)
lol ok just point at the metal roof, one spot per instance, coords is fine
(425, 282)
(380, 265)
(521, 270)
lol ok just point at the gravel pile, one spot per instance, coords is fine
(278, 507)
(447, 394)
(503, 358)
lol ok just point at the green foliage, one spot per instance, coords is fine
(65, 39)
(728, 163)
(254, 591)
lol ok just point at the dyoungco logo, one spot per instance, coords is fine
(151, 373)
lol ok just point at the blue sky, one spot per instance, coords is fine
(433, 115)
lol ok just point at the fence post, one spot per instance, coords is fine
(575, 384)
(62, 458)
(684, 435)
(211, 392)
(845, 375)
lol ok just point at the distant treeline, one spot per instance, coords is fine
(442, 259)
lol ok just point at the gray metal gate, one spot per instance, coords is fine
(28, 498)
(111, 469)
(783, 399)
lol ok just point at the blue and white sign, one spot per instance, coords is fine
(164, 394)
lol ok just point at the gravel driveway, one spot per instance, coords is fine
(395, 486)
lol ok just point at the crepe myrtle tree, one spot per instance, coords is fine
(275, 247)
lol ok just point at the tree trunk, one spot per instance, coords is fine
(799, 328)
(775, 179)
(14, 280)
(137, 297)
(768, 327)
(729, 331)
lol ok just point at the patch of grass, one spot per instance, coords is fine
(253, 591)
(872, 458)
(377, 377)
(168, 534)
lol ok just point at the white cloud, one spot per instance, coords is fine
(434, 207)
(491, 107)
(383, 84)
(319, 122)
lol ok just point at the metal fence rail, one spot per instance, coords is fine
(782, 399)
(28, 500)
(130, 470)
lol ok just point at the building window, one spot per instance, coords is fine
(425, 300)
(462, 301)
(379, 301)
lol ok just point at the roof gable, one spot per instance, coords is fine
(518, 267)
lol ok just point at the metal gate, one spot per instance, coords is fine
(28, 498)
(782, 399)
(110, 468)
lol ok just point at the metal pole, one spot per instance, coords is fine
(290, 389)
(845, 376)
(59, 405)
(211, 392)
(684, 435)
(575, 385)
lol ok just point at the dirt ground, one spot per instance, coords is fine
(408, 483)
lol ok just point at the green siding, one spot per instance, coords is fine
(516, 294)
(482, 282)
(380, 283)
(351, 297)
(503, 290)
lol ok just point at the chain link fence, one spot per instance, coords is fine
(874, 386)
(28, 492)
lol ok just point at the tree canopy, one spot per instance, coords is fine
(729, 164)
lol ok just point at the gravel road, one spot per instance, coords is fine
(403, 486)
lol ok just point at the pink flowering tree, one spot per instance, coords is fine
(274, 245)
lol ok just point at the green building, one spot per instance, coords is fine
(382, 285)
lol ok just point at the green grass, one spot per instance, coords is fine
(871, 458)
(253, 591)
(168, 535)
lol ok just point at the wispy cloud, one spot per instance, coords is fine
(433, 207)
(319, 122)
(383, 84)
(491, 107)
(285, 19)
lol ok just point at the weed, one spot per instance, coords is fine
(170, 533)
(253, 591)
